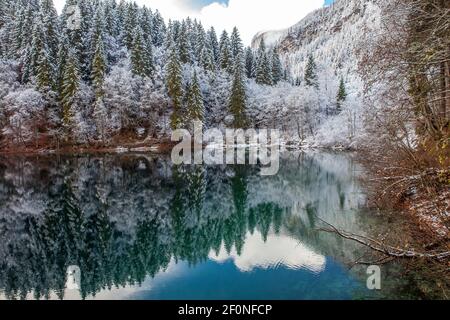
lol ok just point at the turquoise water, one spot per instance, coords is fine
(137, 227)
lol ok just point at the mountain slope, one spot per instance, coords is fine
(334, 36)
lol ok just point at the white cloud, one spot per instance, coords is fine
(250, 16)
(276, 251)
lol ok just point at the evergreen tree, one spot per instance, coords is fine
(44, 72)
(249, 63)
(213, 43)
(99, 68)
(141, 56)
(195, 107)
(237, 100)
(263, 72)
(184, 45)
(237, 49)
(51, 27)
(277, 68)
(70, 87)
(311, 79)
(174, 87)
(341, 95)
(199, 41)
(158, 29)
(130, 24)
(207, 59)
(225, 56)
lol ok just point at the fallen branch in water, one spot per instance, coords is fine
(387, 250)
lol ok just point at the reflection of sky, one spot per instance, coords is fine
(223, 281)
(277, 251)
(280, 268)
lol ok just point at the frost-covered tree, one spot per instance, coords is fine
(213, 43)
(277, 68)
(237, 101)
(24, 110)
(184, 45)
(141, 55)
(249, 63)
(99, 67)
(70, 87)
(120, 98)
(194, 104)
(175, 87)
(341, 95)
(225, 53)
(263, 72)
(237, 49)
(311, 78)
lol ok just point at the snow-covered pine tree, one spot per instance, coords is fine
(175, 87)
(184, 45)
(207, 59)
(45, 75)
(50, 26)
(237, 49)
(158, 29)
(130, 24)
(199, 41)
(70, 87)
(195, 106)
(213, 43)
(249, 63)
(277, 68)
(225, 55)
(237, 100)
(263, 72)
(341, 95)
(99, 67)
(141, 57)
(311, 78)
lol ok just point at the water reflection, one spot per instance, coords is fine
(134, 222)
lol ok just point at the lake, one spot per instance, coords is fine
(134, 226)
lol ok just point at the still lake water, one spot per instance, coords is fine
(137, 227)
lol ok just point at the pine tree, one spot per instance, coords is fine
(99, 68)
(141, 57)
(277, 68)
(249, 63)
(213, 43)
(225, 57)
(70, 87)
(311, 73)
(237, 49)
(130, 24)
(44, 72)
(263, 72)
(199, 41)
(51, 27)
(195, 107)
(237, 101)
(158, 29)
(174, 87)
(184, 45)
(207, 60)
(341, 95)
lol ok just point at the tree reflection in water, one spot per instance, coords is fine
(123, 218)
